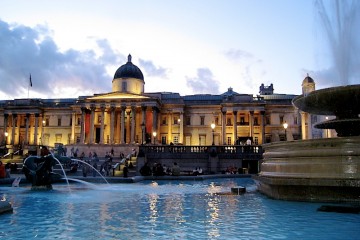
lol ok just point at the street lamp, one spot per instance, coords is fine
(213, 128)
(142, 133)
(6, 135)
(285, 127)
(154, 134)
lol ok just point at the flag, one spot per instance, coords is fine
(30, 81)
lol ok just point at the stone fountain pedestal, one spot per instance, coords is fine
(318, 170)
(321, 170)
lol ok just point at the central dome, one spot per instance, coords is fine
(129, 70)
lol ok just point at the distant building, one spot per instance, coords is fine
(129, 115)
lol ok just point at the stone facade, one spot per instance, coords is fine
(128, 115)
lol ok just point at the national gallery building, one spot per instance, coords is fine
(129, 115)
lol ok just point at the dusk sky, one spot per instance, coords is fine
(73, 48)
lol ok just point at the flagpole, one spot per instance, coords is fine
(30, 85)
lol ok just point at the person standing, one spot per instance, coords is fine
(175, 169)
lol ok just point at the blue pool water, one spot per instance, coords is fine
(167, 210)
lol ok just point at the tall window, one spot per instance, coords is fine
(202, 120)
(59, 121)
(188, 120)
(281, 119)
(256, 121)
(256, 140)
(228, 121)
(163, 120)
(229, 140)
(217, 121)
(124, 86)
(176, 139)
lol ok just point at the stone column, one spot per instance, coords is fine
(102, 108)
(170, 127)
(310, 136)
(122, 135)
(143, 121)
(6, 118)
(223, 127)
(127, 137)
(73, 123)
(117, 128)
(82, 126)
(112, 123)
(235, 126)
(155, 115)
(133, 113)
(262, 126)
(36, 128)
(14, 118)
(303, 125)
(251, 124)
(27, 121)
(92, 118)
(181, 137)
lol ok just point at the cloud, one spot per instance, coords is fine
(26, 50)
(237, 54)
(204, 82)
(151, 70)
(250, 68)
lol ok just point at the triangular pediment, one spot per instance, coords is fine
(117, 95)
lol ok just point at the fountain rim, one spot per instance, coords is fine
(299, 101)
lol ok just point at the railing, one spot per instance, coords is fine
(237, 150)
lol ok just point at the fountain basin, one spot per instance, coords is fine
(342, 102)
(320, 170)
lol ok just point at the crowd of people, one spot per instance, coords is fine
(162, 170)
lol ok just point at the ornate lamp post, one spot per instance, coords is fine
(154, 134)
(213, 128)
(285, 125)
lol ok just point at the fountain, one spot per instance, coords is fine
(38, 169)
(328, 169)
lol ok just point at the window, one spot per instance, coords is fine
(78, 121)
(256, 121)
(163, 139)
(295, 120)
(176, 139)
(281, 119)
(228, 121)
(70, 122)
(176, 120)
(256, 140)
(124, 86)
(99, 119)
(188, 121)
(267, 119)
(59, 121)
(58, 138)
(163, 120)
(202, 120)
(217, 121)
(229, 140)
(242, 120)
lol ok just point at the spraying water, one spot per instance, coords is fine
(78, 160)
(340, 21)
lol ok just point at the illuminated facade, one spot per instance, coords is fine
(129, 115)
